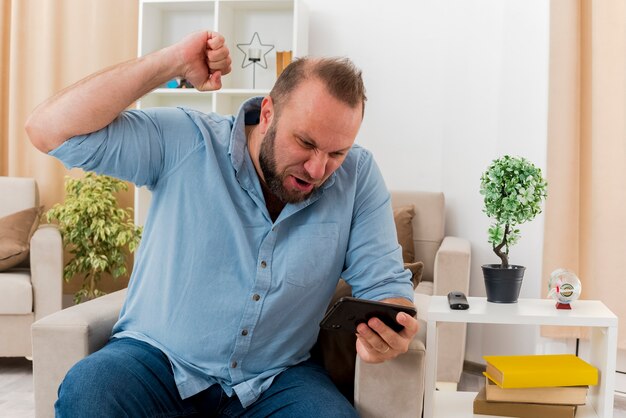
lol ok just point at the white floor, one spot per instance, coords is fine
(16, 389)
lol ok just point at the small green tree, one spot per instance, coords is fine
(97, 233)
(513, 189)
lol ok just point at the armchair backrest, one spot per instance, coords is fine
(17, 193)
(428, 225)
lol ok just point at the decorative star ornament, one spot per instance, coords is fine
(255, 43)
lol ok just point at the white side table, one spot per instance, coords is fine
(588, 313)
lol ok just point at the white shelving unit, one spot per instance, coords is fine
(282, 23)
(587, 313)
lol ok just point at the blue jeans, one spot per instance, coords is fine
(130, 378)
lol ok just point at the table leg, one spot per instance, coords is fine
(603, 356)
(431, 369)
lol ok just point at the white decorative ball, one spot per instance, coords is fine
(564, 286)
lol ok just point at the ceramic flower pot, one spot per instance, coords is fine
(503, 285)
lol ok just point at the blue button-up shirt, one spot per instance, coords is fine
(230, 296)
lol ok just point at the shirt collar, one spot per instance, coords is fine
(248, 115)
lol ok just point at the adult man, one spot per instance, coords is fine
(253, 220)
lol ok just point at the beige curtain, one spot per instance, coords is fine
(585, 224)
(5, 32)
(47, 45)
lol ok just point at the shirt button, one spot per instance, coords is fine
(233, 364)
(244, 332)
(263, 264)
(256, 297)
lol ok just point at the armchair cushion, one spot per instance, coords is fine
(417, 269)
(16, 293)
(403, 217)
(16, 231)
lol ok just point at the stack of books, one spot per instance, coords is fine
(535, 386)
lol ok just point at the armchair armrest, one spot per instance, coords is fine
(452, 266)
(452, 272)
(46, 270)
(400, 382)
(62, 339)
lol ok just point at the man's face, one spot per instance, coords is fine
(307, 143)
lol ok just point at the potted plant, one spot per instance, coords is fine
(513, 190)
(98, 234)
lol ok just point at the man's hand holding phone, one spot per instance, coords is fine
(383, 329)
(376, 342)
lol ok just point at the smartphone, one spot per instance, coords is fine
(349, 312)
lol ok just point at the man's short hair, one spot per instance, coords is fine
(342, 79)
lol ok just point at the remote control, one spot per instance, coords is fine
(457, 300)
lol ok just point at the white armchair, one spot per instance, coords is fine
(33, 289)
(392, 389)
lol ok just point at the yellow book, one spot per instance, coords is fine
(540, 371)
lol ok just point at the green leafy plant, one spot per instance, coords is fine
(513, 190)
(97, 233)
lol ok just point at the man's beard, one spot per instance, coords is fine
(273, 180)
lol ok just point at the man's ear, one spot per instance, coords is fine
(267, 114)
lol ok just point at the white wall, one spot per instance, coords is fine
(452, 84)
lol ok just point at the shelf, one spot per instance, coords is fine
(244, 92)
(589, 313)
(179, 4)
(186, 91)
(257, 4)
(460, 405)
(192, 91)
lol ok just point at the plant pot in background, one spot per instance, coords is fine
(503, 284)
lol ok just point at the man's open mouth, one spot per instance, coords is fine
(302, 185)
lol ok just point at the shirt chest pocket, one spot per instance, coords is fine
(312, 254)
